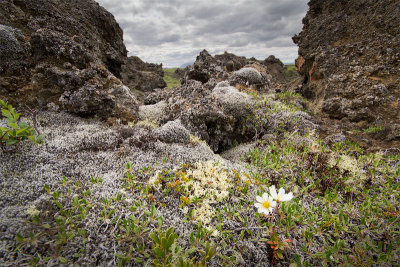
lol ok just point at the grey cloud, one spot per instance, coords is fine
(152, 27)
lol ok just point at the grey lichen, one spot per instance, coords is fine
(173, 132)
(10, 45)
(246, 75)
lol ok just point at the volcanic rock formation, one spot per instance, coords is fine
(220, 66)
(142, 76)
(65, 55)
(212, 103)
(349, 61)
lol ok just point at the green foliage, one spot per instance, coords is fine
(277, 245)
(17, 130)
(373, 129)
(170, 79)
(291, 73)
(161, 250)
(345, 211)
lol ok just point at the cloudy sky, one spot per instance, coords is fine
(173, 32)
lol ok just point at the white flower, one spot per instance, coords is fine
(280, 196)
(265, 204)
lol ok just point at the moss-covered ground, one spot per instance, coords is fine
(345, 211)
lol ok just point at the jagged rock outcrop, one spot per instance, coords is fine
(349, 61)
(142, 76)
(63, 54)
(212, 104)
(275, 68)
(198, 110)
(204, 68)
(231, 62)
(221, 66)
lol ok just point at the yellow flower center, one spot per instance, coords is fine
(266, 204)
(278, 198)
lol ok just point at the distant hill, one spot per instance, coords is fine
(186, 64)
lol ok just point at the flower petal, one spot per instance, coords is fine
(265, 197)
(259, 199)
(289, 196)
(263, 210)
(272, 191)
(258, 205)
(281, 191)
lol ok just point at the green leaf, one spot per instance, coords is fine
(19, 238)
(155, 238)
(164, 243)
(23, 125)
(46, 226)
(158, 252)
(39, 139)
(32, 138)
(14, 125)
(21, 131)
(11, 141)
(16, 116)
(171, 240)
(7, 114)
(279, 254)
(170, 230)
(160, 221)
(47, 188)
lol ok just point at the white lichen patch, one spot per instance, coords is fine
(349, 164)
(211, 178)
(204, 213)
(148, 124)
(195, 140)
(346, 163)
(32, 211)
(209, 182)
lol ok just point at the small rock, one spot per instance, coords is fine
(173, 132)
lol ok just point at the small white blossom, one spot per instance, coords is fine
(280, 196)
(265, 204)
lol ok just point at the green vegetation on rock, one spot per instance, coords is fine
(17, 130)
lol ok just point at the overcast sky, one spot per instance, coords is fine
(173, 32)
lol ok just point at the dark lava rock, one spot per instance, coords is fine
(275, 67)
(231, 62)
(142, 76)
(204, 68)
(213, 113)
(221, 66)
(349, 60)
(66, 54)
